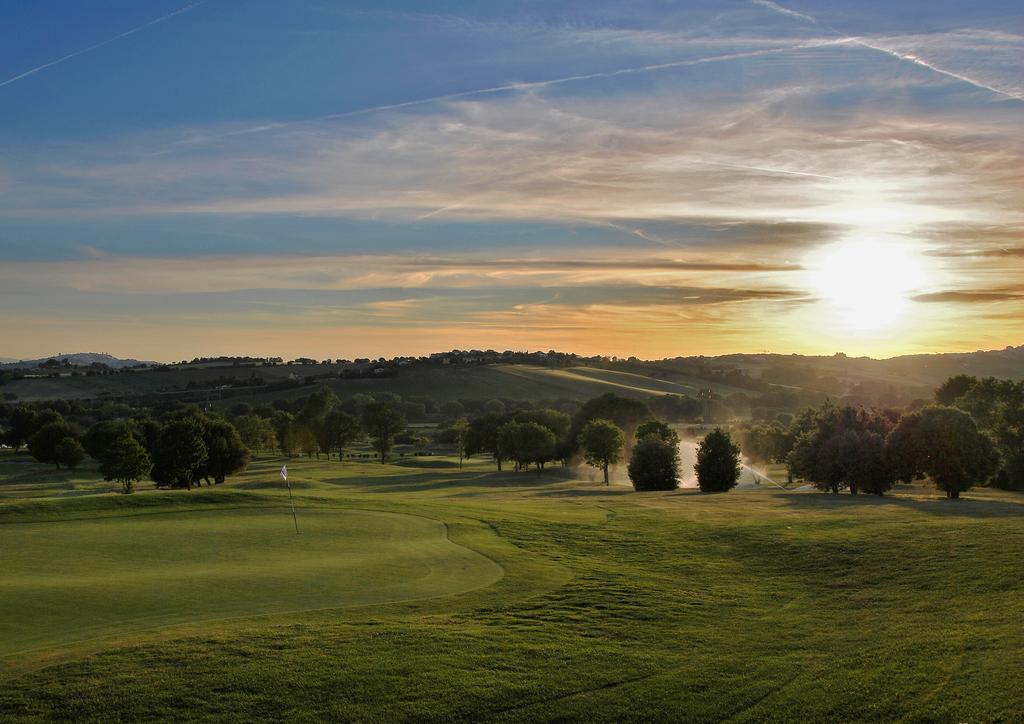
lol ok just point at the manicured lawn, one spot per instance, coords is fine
(608, 604)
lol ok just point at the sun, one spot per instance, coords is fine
(867, 283)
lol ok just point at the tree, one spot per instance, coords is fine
(460, 434)
(625, 412)
(125, 461)
(257, 433)
(483, 436)
(954, 387)
(843, 447)
(69, 453)
(718, 462)
(282, 422)
(300, 438)
(44, 443)
(23, 425)
(660, 430)
(602, 442)
(945, 444)
(339, 430)
(102, 435)
(452, 409)
(998, 408)
(527, 443)
(654, 464)
(180, 454)
(557, 422)
(226, 453)
(382, 422)
(495, 406)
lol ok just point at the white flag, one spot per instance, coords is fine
(284, 472)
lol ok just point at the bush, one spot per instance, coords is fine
(654, 464)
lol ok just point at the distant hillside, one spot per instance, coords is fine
(745, 381)
(77, 359)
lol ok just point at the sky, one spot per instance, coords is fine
(364, 179)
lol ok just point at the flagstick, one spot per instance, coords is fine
(292, 501)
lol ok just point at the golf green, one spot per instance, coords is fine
(84, 578)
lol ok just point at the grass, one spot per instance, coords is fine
(610, 605)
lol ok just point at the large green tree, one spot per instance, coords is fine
(945, 444)
(69, 453)
(483, 436)
(125, 461)
(659, 429)
(654, 464)
(338, 431)
(626, 412)
(843, 447)
(718, 462)
(383, 422)
(226, 453)
(602, 442)
(257, 432)
(527, 443)
(180, 454)
(44, 443)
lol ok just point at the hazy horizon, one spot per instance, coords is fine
(342, 180)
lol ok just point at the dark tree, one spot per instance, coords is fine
(69, 453)
(125, 461)
(602, 442)
(45, 441)
(102, 435)
(998, 408)
(339, 430)
(23, 425)
(627, 413)
(282, 422)
(718, 462)
(954, 387)
(382, 422)
(226, 453)
(452, 409)
(483, 436)
(946, 445)
(180, 454)
(843, 447)
(459, 432)
(527, 443)
(654, 464)
(659, 429)
(257, 432)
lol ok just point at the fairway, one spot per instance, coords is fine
(422, 591)
(100, 574)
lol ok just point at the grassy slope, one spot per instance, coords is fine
(442, 383)
(613, 605)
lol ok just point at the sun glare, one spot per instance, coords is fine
(867, 283)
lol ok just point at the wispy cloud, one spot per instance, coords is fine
(96, 46)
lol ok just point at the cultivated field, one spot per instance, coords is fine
(416, 590)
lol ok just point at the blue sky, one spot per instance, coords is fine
(343, 179)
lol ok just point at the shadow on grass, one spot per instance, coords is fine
(967, 506)
(469, 482)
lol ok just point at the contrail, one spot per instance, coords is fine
(531, 85)
(784, 11)
(91, 48)
(908, 57)
(768, 169)
(918, 60)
